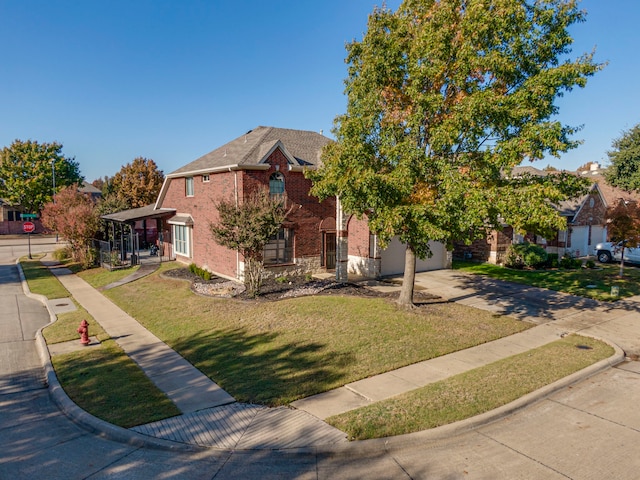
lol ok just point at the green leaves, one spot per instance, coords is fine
(27, 173)
(624, 171)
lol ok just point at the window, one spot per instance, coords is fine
(188, 186)
(276, 184)
(280, 248)
(181, 240)
(205, 178)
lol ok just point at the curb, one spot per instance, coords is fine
(79, 416)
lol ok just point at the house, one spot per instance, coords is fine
(274, 158)
(309, 240)
(586, 223)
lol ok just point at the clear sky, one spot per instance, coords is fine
(172, 80)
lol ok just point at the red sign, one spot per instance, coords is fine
(28, 227)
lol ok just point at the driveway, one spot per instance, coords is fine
(587, 431)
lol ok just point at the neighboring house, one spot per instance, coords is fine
(11, 222)
(586, 223)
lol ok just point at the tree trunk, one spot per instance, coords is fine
(406, 293)
(621, 274)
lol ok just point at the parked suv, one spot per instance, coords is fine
(608, 251)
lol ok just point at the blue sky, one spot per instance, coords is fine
(172, 80)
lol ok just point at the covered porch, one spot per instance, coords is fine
(132, 235)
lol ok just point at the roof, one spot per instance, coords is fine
(141, 213)
(86, 187)
(302, 148)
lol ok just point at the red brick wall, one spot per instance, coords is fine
(591, 215)
(358, 237)
(305, 217)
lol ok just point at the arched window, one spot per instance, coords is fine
(276, 184)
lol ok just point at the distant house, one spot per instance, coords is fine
(11, 222)
(273, 158)
(586, 223)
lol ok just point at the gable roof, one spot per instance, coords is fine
(301, 147)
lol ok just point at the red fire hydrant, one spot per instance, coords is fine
(83, 330)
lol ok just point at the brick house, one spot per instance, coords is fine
(586, 224)
(263, 157)
(310, 240)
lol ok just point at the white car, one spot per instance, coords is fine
(608, 251)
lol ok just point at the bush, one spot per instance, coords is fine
(569, 262)
(528, 255)
(553, 260)
(62, 254)
(590, 264)
(201, 272)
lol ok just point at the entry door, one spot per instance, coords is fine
(330, 251)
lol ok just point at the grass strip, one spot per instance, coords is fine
(40, 279)
(593, 283)
(105, 382)
(101, 277)
(64, 329)
(474, 392)
(273, 353)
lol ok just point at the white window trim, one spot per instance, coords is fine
(187, 240)
(205, 178)
(189, 181)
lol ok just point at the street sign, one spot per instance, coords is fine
(28, 227)
(28, 215)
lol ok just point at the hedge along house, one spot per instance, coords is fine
(265, 157)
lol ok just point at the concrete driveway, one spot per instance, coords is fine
(588, 431)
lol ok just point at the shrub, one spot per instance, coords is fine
(522, 255)
(62, 253)
(282, 279)
(590, 264)
(201, 272)
(553, 260)
(569, 262)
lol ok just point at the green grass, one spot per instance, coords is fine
(40, 279)
(105, 382)
(100, 277)
(64, 329)
(585, 282)
(274, 353)
(474, 392)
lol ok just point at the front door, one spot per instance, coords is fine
(329, 251)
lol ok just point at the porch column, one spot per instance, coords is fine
(342, 244)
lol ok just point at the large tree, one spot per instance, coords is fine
(73, 215)
(27, 173)
(247, 228)
(624, 171)
(138, 183)
(445, 98)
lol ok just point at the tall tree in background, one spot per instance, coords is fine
(27, 174)
(73, 215)
(623, 225)
(247, 228)
(624, 171)
(445, 97)
(138, 183)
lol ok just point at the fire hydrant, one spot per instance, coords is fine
(83, 330)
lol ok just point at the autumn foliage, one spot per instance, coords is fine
(73, 215)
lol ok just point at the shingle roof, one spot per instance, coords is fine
(141, 213)
(252, 148)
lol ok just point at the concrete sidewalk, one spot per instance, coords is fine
(211, 417)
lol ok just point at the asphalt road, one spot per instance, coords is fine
(588, 431)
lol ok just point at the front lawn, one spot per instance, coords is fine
(593, 283)
(276, 352)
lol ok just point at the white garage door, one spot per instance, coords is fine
(392, 258)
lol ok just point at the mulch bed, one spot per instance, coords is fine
(272, 289)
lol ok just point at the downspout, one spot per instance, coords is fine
(235, 192)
